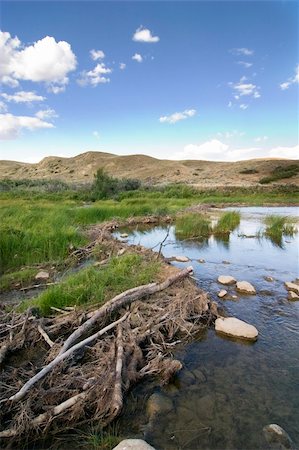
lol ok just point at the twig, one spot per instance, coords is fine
(45, 336)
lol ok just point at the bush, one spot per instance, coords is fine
(280, 173)
(105, 186)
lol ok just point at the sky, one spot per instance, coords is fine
(213, 80)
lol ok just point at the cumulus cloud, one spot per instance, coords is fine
(176, 117)
(44, 61)
(137, 57)
(23, 97)
(215, 150)
(245, 64)
(95, 76)
(242, 51)
(11, 126)
(48, 113)
(97, 54)
(243, 106)
(230, 134)
(145, 35)
(122, 66)
(3, 107)
(290, 81)
(243, 89)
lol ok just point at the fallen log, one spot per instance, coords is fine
(121, 300)
(30, 383)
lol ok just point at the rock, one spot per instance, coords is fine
(245, 287)
(202, 261)
(234, 297)
(225, 262)
(226, 279)
(121, 252)
(222, 293)
(133, 444)
(292, 287)
(182, 258)
(236, 328)
(186, 377)
(278, 438)
(158, 404)
(124, 235)
(268, 278)
(42, 275)
(293, 296)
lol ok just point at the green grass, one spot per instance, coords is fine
(280, 173)
(96, 285)
(21, 277)
(192, 226)
(96, 438)
(228, 222)
(277, 226)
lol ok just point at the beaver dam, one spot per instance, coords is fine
(146, 361)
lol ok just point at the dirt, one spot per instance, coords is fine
(81, 169)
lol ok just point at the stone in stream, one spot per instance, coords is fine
(222, 293)
(225, 262)
(124, 235)
(202, 261)
(182, 258)
(133, 444)
(236, 328)
(293, 296)
(278, 438)
(42, 275)
(245, 287)
(158, 404)
(292, 287)
(268, 278)
(226, 279)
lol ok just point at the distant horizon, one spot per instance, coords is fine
(200, 80)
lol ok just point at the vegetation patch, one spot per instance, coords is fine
(18, 279)
(280, 173)
(248, 171)
(95, 285)
(227, 222)
(193, 226)
(277, 226)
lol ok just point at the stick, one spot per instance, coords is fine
(30, 383)
(117, 398)
(45, 336)
(121, 300)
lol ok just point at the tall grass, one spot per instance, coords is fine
(96, 285)
(228, 222)
(277, 226)
(192, 226)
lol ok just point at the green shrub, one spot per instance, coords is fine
(280, 173)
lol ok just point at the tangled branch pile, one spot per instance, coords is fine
(77, 366)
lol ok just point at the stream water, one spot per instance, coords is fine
(229, 390)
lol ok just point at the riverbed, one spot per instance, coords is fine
(229, 390)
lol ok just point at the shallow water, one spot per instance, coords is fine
(229, 390)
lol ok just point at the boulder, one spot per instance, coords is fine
(278, 438)
(42, 275)
(245, 287)
(158, 404)
(182, 258)
(222, 293)
(226, 279)
(234, 327)
(133, 444)
(292, 287)
(293, 296)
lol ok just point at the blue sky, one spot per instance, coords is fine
(176, 80)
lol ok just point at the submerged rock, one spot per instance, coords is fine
(225, 262)
(133, 444)
(268, 278)
(245, 287)
(278, 438)
(182, 258)
(202, 261)
(293, 296)
(292, 287)
(42, 275)
(226, 279)
(236, 328)
(222, 293)
(158, 404)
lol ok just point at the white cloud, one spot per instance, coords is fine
(176, 117)
(245, 64)
(145, 35)
(46, 114)
(137, 57)
(97, 54)
(261, 139)
(243, 106)
(11, 126)
(230, 134)
(56, 89)
(95, 76)
(242, 51)
(3, 107)
(122, 66)
(292, 80)
(23, 97)
(230, 104)
(215, 150)
(44, 61)
(243, 89)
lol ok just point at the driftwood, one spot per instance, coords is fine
(122, 300)
(45, 336)
(30, 383)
